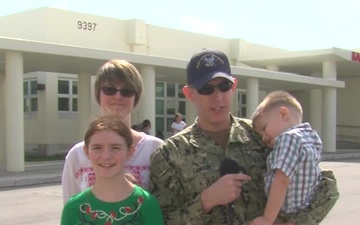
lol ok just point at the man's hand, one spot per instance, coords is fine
(225, 190)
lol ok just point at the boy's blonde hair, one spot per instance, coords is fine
(279, 99)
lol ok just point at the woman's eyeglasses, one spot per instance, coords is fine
(126, 92)
(208, 89)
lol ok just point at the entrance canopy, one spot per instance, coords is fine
(308, 62)
(59, 58)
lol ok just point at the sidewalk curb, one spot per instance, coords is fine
(27, 181)
(14, 180)
(340, 156)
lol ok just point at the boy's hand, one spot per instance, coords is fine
(260, 221)
(283, 224)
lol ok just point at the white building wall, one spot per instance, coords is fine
(57, 131)
(179, 44)
(348, 111)
(68, 28)
(255, 49)
(303, 98)
(86, 30)
(20, 26)
(95, 108)
(49, 131)
(79, 29)
(2, 124)
(262, 95)
(34, 122)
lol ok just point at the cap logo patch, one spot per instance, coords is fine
(209, 60)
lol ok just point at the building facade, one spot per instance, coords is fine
(48, 59)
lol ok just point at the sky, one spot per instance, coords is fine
(289, 24)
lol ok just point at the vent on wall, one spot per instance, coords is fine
(136, 34)
(40, 87)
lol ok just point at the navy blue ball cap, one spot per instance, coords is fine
(207, 65)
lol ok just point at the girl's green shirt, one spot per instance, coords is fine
(140, 208)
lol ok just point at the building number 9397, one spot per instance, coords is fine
(84, 25)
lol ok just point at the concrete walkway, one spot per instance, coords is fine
(35, 173)
(50, 171)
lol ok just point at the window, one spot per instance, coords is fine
(30, 95)
(67, 95)
(242, 104)
(169, 101)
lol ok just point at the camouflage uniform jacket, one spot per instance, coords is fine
(188, 162)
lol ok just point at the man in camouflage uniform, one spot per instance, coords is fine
(184, 170)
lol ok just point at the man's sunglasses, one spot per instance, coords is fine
(208, 89)
(126, 92)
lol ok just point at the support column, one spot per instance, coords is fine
(252, 96)
(146, 106)
(234, 104)
(316, 110)
(14, 112)
(329, 119)
(191, 112)
(2, 124)
(48, 110)
(329, 70)
(329, 109)
(84, 102)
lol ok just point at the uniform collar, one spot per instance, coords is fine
(237, 134)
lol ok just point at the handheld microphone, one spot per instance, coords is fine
(230, 166)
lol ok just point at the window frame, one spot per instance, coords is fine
(70, 95)
(27, 97)
(241, 105)
(177, 98)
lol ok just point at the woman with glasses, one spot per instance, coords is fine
(118, 87)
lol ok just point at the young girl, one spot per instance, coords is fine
(113, 199)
